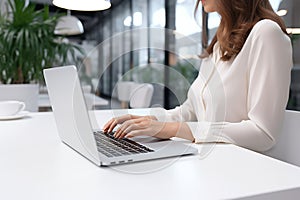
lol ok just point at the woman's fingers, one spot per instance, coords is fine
(111, 124)
(108, 124)
(114, 123)
(129, 126)
(126, 127)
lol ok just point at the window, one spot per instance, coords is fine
(151, 54)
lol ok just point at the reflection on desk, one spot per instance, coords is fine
(91, 99)
(36, 165)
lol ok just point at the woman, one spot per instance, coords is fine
(242, 88)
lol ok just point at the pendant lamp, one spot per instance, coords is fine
(83, 5)
(68, 25)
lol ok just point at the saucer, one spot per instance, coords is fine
(16, 116)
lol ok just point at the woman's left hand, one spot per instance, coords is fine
(141, 126)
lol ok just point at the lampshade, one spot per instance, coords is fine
(292, 17)
(83, 5)
(68, 25)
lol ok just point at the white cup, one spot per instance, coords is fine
(9, 108)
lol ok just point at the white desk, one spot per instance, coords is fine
(35, 165)
(44, 101)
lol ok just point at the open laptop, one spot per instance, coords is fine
(75, 129)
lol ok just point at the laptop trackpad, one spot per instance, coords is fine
(147, 139)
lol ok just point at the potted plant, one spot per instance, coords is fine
(28, 45)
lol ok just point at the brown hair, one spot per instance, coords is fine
(237, 20)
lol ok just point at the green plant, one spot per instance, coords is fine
(28, 43)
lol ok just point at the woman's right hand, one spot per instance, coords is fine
(111, 124)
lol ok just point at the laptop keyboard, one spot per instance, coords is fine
(110, 146)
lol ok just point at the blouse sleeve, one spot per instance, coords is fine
(269, 68)
(184, 112)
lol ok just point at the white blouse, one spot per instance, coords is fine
(241, 101)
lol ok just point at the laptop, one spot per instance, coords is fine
(73, 122)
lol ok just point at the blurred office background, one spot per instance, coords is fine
(156, 42)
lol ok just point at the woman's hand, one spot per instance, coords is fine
(111, 124)
(141, 126)
(132, 125)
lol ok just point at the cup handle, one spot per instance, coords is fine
(22, 107)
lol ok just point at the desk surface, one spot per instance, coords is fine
(34, 164)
